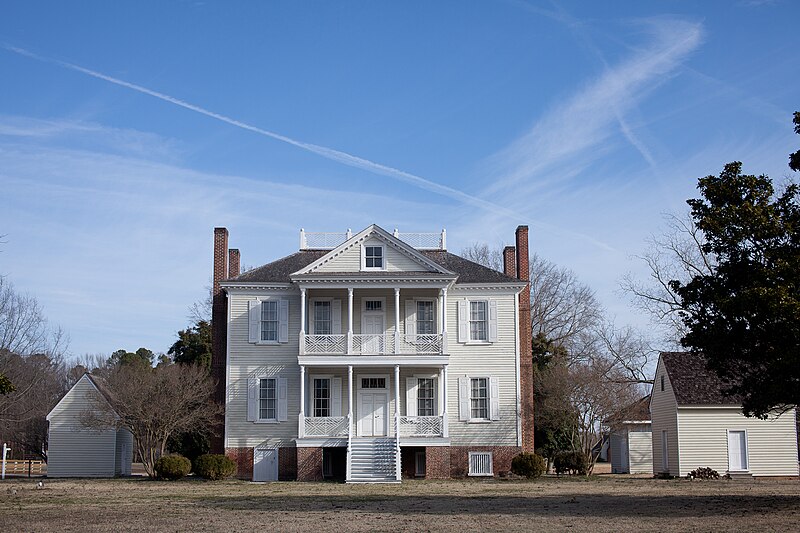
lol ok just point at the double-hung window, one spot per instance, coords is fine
(426, 324)
(322, 317)
(479, 398)
(322, 397)
(426, 405)
(478, 321)
(269, 320)
(268, 399)
(373, 257)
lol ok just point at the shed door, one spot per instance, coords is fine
(265, 464)
(737, 451)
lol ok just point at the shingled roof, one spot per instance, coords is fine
(280, 270)
(693, 383)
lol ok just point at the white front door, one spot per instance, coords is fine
(737, 451)
(265, 464)
(372, 409)
(373, 325)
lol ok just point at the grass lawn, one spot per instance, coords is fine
(605, 503)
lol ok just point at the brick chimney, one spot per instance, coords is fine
(233, 263)
(510, 261)
(219, 330)
(525, 349)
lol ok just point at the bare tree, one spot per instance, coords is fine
(23, 327)
(628, 350)
(153, 404)
(676, 254)
(485, 255)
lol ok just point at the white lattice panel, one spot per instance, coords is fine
(326, 344)
(425, 344)
(324, 241)
(424, 241)
(420, 426)
(326, 426)
(367, 344)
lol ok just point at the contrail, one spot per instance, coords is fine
(328, 153)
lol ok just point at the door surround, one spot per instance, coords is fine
(360, 391)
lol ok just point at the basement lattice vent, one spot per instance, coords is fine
(480, 464)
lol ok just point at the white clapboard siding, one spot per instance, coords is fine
(664, 414)
(492, 360)
(74, 450)
(350, 259)
(771, 443)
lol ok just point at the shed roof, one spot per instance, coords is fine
(694, 383)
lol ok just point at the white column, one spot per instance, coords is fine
(350, 320)
(397, 419)
(302, 321)
(397, 320)
(443, 386)
(444, 319)
(301, 419)
(349, 418)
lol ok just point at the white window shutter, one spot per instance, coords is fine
(252, 399)
(336, 397)
(283, 320)
(494, 399)
(336, 317)
(255, 321)
(283, 393)
(411, 396)
(411, 318)
(463, 399)
(492, 320)
(463, 329)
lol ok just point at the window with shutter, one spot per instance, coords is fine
(426, 324)
(426, 399)
(267, 399)
(268, 321)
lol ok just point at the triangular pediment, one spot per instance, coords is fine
(397, 256)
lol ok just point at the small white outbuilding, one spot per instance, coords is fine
(631, 442)
(78, 451)
(697, 425)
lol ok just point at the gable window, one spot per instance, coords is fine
(267, 399)
(322, 317)
(478, 321)
(373, 257)
(322, 397)
(479, 398)
(662, 382)
(425, 318)
(425, 397)
(269, 320)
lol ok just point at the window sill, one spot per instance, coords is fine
(266, 421)
(479, 421)
(269, 343)
(478, 343)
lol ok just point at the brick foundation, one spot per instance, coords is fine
(287, 464)
(437, 462)
(309, 464)
(501, 459)
(243, 457)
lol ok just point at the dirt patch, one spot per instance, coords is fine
(602, 503)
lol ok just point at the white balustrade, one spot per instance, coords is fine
(421, 344)
(421, 426)
(325, 426)
(326, 344)
(371, 344)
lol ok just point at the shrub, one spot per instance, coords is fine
(213, 466)
(530, 465)
(703, 473)
(172, 467)
(570, 463)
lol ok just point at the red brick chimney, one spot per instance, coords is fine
(525, 348)
(219, 330)
(233, 263)
(510, 261)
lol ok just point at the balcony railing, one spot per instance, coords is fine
(421, 426)
(371, 344)
(324, 426)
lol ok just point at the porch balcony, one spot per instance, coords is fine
(337, 426)
(372, 344)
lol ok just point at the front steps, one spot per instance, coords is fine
(373, 460)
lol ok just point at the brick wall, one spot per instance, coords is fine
(243, 457)
(309, 464)
(437, 462)
(501, 459)
(219, 332)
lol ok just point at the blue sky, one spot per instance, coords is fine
(128, 130)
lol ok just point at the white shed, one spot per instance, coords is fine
(631, 446)
(696, 424)
(77, 451)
